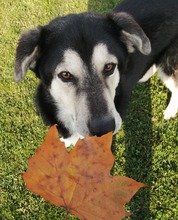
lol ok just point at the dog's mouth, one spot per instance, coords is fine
(94, 127)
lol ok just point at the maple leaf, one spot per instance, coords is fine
(80, 180)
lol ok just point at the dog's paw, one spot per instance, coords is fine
(170, 112)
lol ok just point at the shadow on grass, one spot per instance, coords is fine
(138, 148)
(137, 137)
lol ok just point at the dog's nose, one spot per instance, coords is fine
(102, 126)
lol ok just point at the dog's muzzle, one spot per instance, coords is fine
(102, 126)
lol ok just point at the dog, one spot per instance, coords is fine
(88, 64)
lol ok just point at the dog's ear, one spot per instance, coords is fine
(131, 33)
(27, 53)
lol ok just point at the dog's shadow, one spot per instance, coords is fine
(137, 139)
(138, 148)
(137, 153)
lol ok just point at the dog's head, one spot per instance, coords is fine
(79, 59)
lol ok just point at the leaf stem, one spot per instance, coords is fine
(66, 215)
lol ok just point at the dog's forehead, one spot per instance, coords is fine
(79, 32)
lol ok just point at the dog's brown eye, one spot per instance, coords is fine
(109, 68)
(66, 76)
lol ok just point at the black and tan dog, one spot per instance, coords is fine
(88, 63)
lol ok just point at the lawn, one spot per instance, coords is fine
(146, 148)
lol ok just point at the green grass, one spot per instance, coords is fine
(145, 148)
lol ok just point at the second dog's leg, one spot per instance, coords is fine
(172, 85)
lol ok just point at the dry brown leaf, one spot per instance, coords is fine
(80, 180)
